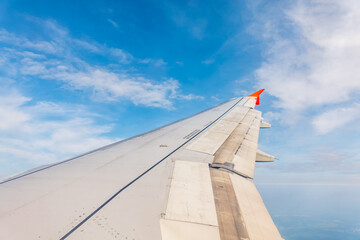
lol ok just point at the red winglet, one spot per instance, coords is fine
(257, 95)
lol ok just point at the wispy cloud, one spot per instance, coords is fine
(190, 97)
(56, 60)
(155, 62)
(112, 22)
(271, 116)
(208, 61)
(18, 41)
(159, 62)
(114, 87)
(35, 133)
(11, 117)
(335, 118)
(195, 26)
(312, 56)
(103, 84)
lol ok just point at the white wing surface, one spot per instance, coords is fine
(188, 180)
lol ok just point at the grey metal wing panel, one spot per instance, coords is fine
(50, 203)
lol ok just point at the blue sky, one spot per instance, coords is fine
(78, 75)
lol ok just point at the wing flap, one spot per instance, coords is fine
(177, 230)
(245, 156)
(256, 218)
(240, 147)
(211, 141)
(191, 195)
(264, 157)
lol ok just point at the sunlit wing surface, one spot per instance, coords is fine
(188, 180)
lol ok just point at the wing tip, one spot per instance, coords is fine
(257, 95)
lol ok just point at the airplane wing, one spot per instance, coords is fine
(188, 180)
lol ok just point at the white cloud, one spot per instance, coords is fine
(190, 97)
(44, 132)
(113, 86)
(144, 61)
(336, 118)
(106, 85)
(11, 115)
(208, 61)
(121, 55)
(313, 55)
(155, 62)
(159, 62)
(196, 27)
(112, 22)
(39, 132)
(13, 39)
(32, 67)
(271, 116)
(23, 58)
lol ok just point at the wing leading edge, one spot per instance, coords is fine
(187, 180)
